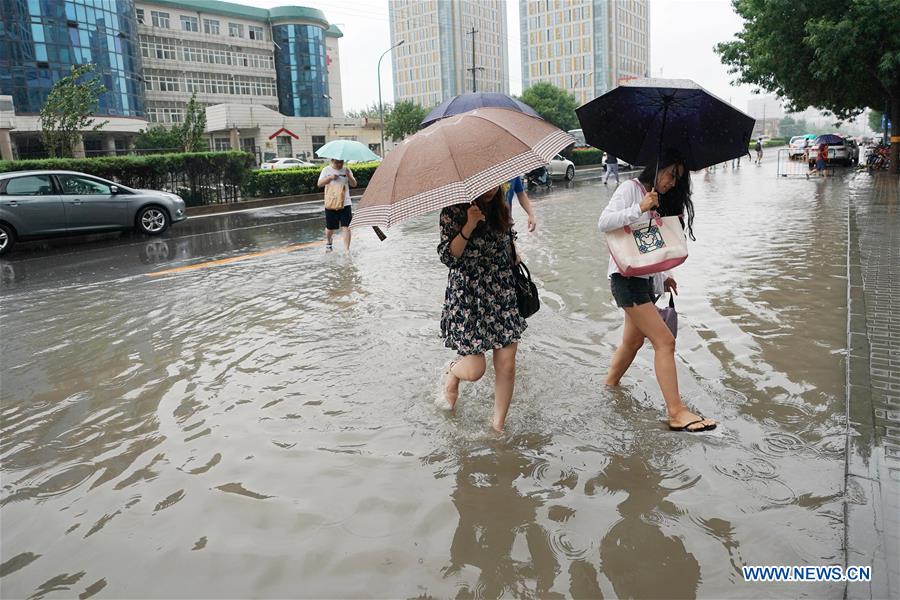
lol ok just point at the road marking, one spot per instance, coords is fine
(234, 259)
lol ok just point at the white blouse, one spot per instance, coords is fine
(624, 208)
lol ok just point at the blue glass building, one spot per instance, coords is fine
(40, 40)
(300, 62)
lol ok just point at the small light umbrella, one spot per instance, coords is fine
(636, 120)
(346, 150)
(456, 160)
(472, 100)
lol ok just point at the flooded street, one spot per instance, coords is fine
(267, 428)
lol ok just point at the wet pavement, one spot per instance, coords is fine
(873, 394)
(265, 428)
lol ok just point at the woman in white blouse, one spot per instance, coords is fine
(669, 194)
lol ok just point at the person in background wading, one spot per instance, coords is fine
(668, 195)
(337, 173)
(481, 311)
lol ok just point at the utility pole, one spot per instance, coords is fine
(474, 68)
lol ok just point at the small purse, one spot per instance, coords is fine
(334, 196)
(527, 297)
(669, 316)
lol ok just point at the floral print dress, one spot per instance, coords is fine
(480, 310)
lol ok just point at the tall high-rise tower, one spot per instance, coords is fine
(586, 47)
(435, 61)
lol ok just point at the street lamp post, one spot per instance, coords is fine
(380, 106)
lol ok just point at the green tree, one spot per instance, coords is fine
(404, 119)
(158, 137)
(553, 104)
(69, 110)
(370, 112)
(837, 55)
(789, 127)
(191, 131)
(875, 121)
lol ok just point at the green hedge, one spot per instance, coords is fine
(293, 182)
(199, 177)
(590, 156)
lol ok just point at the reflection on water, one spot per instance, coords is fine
(266, 429)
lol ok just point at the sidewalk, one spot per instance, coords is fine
(872, 504)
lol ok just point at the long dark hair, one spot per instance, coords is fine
(676, 201)
(496, 211)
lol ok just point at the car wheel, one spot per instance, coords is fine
(570, 173)
(152, 220)
(7, 238)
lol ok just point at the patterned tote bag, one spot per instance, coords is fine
(648, 247)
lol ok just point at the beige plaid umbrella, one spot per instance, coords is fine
(456, 160)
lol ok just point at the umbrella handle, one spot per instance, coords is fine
(379, 233)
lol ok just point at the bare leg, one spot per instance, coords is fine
(647, 320)
(345, 233)
(632, 341)
(329, 234)
(466, 368)
(505, 373)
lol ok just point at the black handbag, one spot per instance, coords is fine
(526, 291)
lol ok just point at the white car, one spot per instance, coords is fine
(797, 146)
(561, 167)
(284, 163)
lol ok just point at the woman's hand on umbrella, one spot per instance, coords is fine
(473, 216)
(651, 200)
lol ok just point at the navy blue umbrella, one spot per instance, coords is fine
(472, 100)
(829, 139)
(635, 121)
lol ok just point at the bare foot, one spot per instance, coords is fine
(685, 420)
(449, 390)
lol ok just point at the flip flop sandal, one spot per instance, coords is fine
(696, 429)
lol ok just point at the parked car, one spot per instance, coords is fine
(41, 204)
(561, 167)
(845, 152)
(284, 163)
(797, 146)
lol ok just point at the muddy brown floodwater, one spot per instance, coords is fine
(266, 429)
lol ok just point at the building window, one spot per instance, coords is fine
(256, 33)
(317, 142)
(190, 24)
(140, 15)
(235, 30)
(221, 144)
(160, 19)
(211, 26)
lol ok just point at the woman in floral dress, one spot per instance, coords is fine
(480, 310)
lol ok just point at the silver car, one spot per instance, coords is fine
(40, 204)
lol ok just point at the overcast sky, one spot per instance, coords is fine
(682, 36)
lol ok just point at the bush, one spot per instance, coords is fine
(199, 177)
(588, 156)
(293, 182)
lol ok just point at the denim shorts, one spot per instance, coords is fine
(631, 291)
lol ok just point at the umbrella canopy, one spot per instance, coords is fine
(456, 160)
(346, 150)
(829, 139)
(636, 120)
(472, 100)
